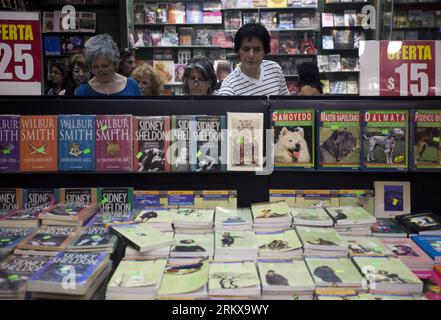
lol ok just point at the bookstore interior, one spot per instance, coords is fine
(177, 196)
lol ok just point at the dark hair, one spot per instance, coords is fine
(64, 72)
(124, 54)
(309, 75)
(250, 30)
(204, 66)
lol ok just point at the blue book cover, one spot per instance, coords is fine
(85, 265)
(76, 143)
(52, 46)
(194, 12)
(10, 237)
(40, 198)
(430, 244)
(207, 144)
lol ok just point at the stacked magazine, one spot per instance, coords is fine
(313, 217)
(192, 221)
(271, 216)
(233, 219)
(193, 246)
(235, 246)
(351, 221)
(279, 245)
(322, 242)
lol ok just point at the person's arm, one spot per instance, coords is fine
(283, 90)
(225, 90)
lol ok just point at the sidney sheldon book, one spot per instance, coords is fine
(9, 143)
(180, 142)
(10, 199)
(151, 144)
(76, 143)
(114, 148)
(38, 143)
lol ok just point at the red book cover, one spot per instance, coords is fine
(38, 143)
(114, 143)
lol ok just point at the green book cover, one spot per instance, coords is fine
(184, 278)
(233, 276)
(278, 241)
(294, 138)
(195, 244)
(310, 214)
(290, 274)
(135, 274)
(270, 210)
(334, 272)
(357, 198)
(366, 246)
(194, 216)
(233, 217)
(427, 139)
(115, 199)
(339, 139)
(385, 140)
(320, 237)
(350, 215)
(142, 236)
(156, 215)
(235, 240)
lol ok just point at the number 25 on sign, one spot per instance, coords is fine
(23, 62)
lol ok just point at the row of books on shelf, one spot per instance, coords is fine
(414, 18)
(415, 35)
(335, 63)
(84, 22)
(56, 45)
(184, 36)
(188, 12)
(349, 18)
(247, 4)
(272, 20)
(343, 39)
(392, 140)
(339, 87)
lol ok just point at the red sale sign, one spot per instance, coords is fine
(400, 68)
(20, 53)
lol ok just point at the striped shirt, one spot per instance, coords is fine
(271, 82)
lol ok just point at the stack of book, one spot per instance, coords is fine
(409, 252)
(366, 246)
(285, 280)
(234, 281)
(94, 238)
(388, 276)
(351, 221)
(159, 218)
(322, 242)
(11, 237)
(133, 254)
(193, 246)
(279, 245)
(423, 224)
(186, 280)
(68, 215)
(193, 221)
(48, 241)
(235, 246)
(21, 218)
(111, 218)
(431, 245)
(387, 228)
(233, 219)
(334, 272)
(136, 280)
(313, 217)
(271, 216)
(14, 273)
(432, 284)
(85, 271)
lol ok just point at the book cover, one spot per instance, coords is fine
(357, 198)
(201, 245)
(161, 12)
(138, 13)
(288, 43)
(432, 284)
(87, 22)
(271, 210)
(323, 63)
(431, 245)
(165, 69)
(74, 212)
(234, 241)
(286, 21)
(339, 140)
(40, 198)
(334, 63)
(245, 141)
(156, 215)
(349, 64)
(93, 237)
(19, 268)
(386, 227)
(176, 13)
(358, 37)
(339, 20)
(285, 276)
(150, 13)
(38, 143)
(230, 278)
(334, 272)
(367, 246)
(320, 237)
(385, 140)
(327, 42)
(52, 46)
(78, 195)
(278, 242)
(194, 217)
(408, 251)
(343, 39)
(415, 18)
(52, 276)
(21, 218)
(194, 12)
(338, 87)
(76, 143)
(350, 18)
(211, 199)
(274, 42)
(49, 239)
(232, 20)
(170, 37)
(233, 217)
(277, 4)
(113, 145)
(426, 140)
(327, 19)
(11, 237)
(207, 143)
(250, 17)
(311, 217)
(109, 218)
(317, 198)
(421, 223)
(71, 45)
(115, 200)
(202, 37)
(10, 199)
(180, 139)
(48, 24)
(185, 36)
(151, 139)
(294, 138)
(269, 19)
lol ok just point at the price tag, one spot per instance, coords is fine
(20, 54)
(86, 151)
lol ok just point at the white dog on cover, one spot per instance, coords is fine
(292, 146)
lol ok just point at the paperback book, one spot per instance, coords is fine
(331, 272)
(9, 143)
(95, 238)
(192, 246)
(426, 140)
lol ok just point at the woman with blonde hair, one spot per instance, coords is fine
(148, 80)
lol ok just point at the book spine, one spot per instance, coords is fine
(9, 143)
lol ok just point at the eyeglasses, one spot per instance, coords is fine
(195, 81)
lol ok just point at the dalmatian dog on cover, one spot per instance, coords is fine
(387, 142)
